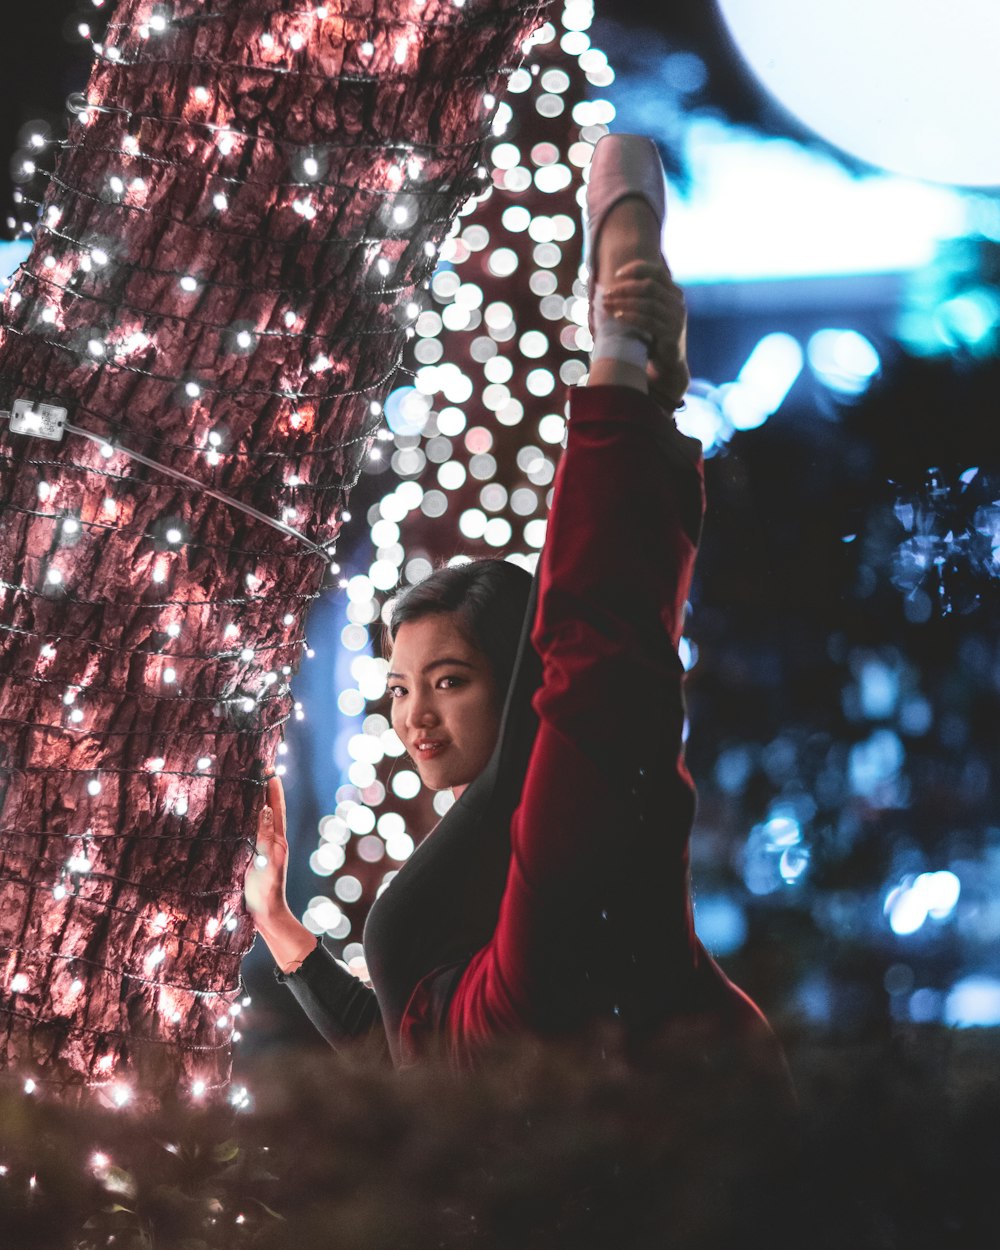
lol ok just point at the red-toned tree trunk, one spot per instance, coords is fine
(220, 283)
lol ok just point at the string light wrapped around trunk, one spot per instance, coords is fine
(230, 250)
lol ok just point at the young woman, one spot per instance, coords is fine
(555, 893)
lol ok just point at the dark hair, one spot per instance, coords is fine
(489, 598)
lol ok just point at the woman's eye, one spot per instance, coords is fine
(396, 692)
(450, 682)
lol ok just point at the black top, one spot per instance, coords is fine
(339, 1005)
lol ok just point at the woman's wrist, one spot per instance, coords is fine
(288, 940)
(271, 913)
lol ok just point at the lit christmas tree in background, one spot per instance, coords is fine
(472, 444)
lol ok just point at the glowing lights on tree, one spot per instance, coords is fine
(159, 625)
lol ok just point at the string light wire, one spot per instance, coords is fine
(288, 530)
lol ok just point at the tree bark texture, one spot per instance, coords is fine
(220, 281)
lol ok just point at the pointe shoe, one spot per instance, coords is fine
(622, 166)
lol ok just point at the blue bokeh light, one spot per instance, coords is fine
(917, 899)
(973, 1002)
(843, 360)
(12, 254)
(721, 923)
(775, 854)
(764, 381)
(406, 410)
(875, 762)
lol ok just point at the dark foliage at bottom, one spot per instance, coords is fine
(893, 1143)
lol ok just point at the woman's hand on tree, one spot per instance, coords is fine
(264, 884)
(645, 295)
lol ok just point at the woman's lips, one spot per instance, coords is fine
(430, 750)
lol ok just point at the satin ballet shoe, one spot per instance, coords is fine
(622, 166)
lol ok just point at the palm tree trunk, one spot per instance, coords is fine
(242, 213)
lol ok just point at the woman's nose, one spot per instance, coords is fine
(421, 712)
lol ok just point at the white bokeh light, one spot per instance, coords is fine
(911, 88)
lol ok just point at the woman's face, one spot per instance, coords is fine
(445, 704)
